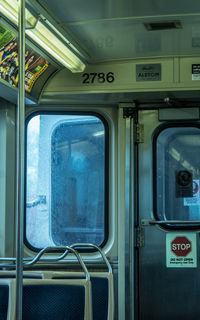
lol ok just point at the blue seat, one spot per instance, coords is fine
(102, 286)
(4, 299)
(7, 297)
(57, 299)
(47, 299)
(102, 291)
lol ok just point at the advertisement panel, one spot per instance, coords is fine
(35, 64)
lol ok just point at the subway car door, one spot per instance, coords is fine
(168, 215)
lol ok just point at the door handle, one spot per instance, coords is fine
(149, 222)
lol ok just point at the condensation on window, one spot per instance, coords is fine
(65, 180)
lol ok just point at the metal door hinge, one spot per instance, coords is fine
(139, 133)
(139, 237)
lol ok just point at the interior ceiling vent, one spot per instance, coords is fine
(163, 25)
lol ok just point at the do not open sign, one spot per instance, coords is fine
(181, 250)
(181, 246)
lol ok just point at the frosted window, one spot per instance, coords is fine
(66, 179)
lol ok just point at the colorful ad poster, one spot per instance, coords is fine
(35, 64)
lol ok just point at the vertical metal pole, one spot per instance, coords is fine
(20, 163)
(127, 214)
(129, 233)
(132, 220)
(135, 225)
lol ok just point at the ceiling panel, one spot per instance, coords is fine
(79, 10)
(129, 39)
(114, 29)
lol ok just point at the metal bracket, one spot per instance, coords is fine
(139, 237)
(34, 25)
(128, 112)
(128, 109)
(146, 222)
(139, 133)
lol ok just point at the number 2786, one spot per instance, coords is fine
(98, 77)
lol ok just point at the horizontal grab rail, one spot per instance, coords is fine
(28, 262)
(37, 258)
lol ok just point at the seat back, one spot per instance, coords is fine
(102, 291)
(7, 296)
(102, 286)
(48, 299)
(57, 299)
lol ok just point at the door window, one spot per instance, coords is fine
(177, 173)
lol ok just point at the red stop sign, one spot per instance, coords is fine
(181, 246)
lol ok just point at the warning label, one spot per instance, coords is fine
(195, 200)
(195, 71)
(181, 251)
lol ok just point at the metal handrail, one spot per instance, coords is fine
(67, 250)
(20, 152)
(90, 245)
(37, 258)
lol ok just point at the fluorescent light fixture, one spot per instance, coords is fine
(10, 10)
(43, 36)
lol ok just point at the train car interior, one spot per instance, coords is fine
(99, 160)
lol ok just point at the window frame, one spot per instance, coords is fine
(156, 133)
(106, 172)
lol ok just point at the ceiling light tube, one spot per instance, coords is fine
(43, 36)
(10, 10)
